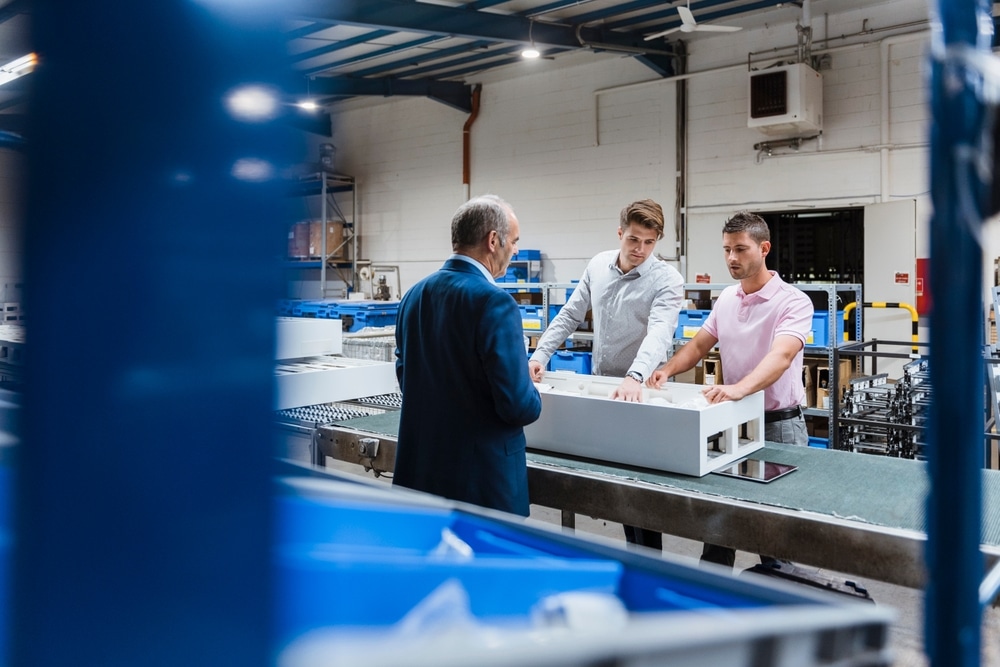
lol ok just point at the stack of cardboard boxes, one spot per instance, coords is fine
(305, 240)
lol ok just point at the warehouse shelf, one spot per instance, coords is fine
(544, 289)
(339, 264)
(831, 318)
(833, 315)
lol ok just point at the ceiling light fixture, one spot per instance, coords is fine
(18, 68)
(530, 51)
(308, 105)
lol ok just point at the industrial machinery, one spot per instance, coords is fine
(889, 418)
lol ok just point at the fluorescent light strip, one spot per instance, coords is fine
(17, 68)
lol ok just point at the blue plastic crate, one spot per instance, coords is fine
(345, 563)
(820, 330)
(358, 315)
(532, 317)
(520, 274)
(568, 360)
(689, 322)
(527, 256)
(286, 306)
(310, 308)
(819, 443)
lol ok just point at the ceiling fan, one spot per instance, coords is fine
(688, 24)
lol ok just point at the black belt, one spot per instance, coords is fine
(781, 415)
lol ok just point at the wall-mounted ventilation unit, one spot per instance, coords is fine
(786, 100)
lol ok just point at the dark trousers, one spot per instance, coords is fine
(643, 537)
(791, 431)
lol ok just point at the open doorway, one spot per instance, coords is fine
(818, 246)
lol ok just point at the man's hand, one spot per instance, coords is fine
(658, 377)
(536, 370)
(722, 392)
(629, 390)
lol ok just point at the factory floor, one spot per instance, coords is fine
(907, 632)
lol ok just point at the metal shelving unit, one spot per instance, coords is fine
(325, 185)
(833, 292)
(545, 289)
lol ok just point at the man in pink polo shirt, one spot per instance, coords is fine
(760, 326)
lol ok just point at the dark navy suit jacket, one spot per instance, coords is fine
(467, 393)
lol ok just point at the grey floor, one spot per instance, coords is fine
(907, 631)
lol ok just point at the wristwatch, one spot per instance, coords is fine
(635, 375)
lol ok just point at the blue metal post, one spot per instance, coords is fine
(153, 227)
(960, 128)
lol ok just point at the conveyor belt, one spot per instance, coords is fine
(841, 511)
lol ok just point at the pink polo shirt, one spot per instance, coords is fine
(746, 326)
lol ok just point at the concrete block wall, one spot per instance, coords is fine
(569, 142)
(537, 142)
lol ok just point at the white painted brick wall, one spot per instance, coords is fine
(569, 160)
(535, 143)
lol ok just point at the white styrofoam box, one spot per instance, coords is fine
(672, 429)
(326, 379)
(300, 337)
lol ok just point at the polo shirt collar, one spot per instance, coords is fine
(770, 288)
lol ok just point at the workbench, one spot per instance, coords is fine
(851, 513)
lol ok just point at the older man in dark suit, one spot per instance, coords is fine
(463, 370)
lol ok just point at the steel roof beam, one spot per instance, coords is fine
(454, 94)
(702, 16)
(483, 4)
(338, 45)
(428, 56)
(421, 18)
(371, 55)
(552, 7)
(445, 67)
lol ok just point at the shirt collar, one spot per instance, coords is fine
(638, 270)
(769, 289)
(476, 263)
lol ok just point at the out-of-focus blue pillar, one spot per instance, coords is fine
(153, 224)
(960, 147)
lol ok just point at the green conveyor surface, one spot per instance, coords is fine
(877, 490)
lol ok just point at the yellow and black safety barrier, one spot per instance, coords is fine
(886, 304)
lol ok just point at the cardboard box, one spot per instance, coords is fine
(824, 383)
(708, 371)
(298, 241)
(713, 370)
(335, 246)
(809, 398)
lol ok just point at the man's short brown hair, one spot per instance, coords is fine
(644, 212)
(751, 223)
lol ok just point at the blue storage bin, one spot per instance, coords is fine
(309, 308)
(819, 443)
(567, 360)
(527, 256)
(346, 563)
(820, 330)
(286, 306)
(689, 322)
(531, 317)
(358, 315)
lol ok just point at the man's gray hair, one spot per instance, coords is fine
(476, 218)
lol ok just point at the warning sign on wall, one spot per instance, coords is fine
(902, 278)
